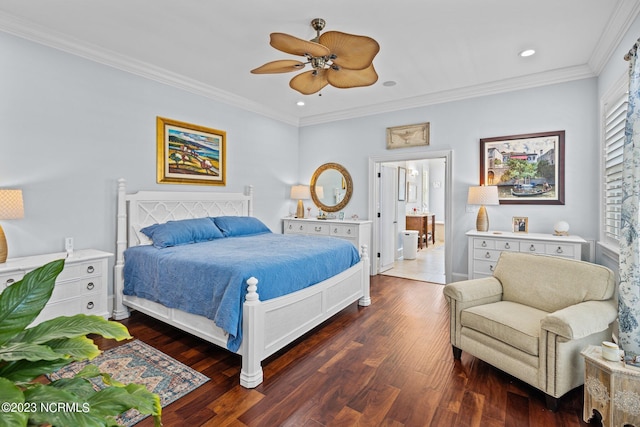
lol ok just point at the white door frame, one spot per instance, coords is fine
(374, 201)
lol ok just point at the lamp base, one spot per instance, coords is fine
(3, 247)
(300, 210)
(482, 221)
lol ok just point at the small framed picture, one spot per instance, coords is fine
(520, 224)
(341, 216)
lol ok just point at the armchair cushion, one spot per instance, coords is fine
(514, 324)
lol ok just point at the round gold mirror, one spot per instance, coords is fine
(331, 187)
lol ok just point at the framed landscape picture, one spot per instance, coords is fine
(190, 154)
(527, 169)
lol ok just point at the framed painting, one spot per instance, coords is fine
(408, 136)
(402, 184)
(190, 154)
(527, 169)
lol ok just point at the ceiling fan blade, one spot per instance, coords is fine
(281, 66)
(344, 78)
(353, 52)
(309, 82)
(296, 46)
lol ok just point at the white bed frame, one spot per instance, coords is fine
(269, 325)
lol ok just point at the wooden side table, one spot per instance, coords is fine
(611, 390)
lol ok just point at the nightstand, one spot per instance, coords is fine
(610, 388)
(81, 287)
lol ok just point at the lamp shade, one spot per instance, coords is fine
(483, 195)
(300, 192)
(11, 206)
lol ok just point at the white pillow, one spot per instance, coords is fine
(141, 237)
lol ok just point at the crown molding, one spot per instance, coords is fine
(618, 25)
(46, 37)
(508, 85)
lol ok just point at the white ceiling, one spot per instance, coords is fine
(436, 50)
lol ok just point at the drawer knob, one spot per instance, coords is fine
(487, 255)
(491, 268)
(90, 285)
(484, 244)
(10, 282)
(532, 248)
(559, 250)
(290, 226)
(507, 246)
(318, 228)
(300, 228)
(349, 231)
(90, 269)
(335, 230)
(90, 305)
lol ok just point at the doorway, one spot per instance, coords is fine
(388, 213)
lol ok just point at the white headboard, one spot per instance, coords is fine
(144, 208)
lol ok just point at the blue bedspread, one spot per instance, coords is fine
(209, 278)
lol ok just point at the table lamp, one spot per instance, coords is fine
(11, 207)
(483, 195)
(300, 192)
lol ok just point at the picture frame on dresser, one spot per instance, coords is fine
(526, 168)
(190, 154)
(520, 224)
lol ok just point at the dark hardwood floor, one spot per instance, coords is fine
(389, 364)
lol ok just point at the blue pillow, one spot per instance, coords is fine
(182, 232)
(240, 225)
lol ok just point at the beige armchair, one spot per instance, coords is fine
(532, 318)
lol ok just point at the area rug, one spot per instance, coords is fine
(137, 362)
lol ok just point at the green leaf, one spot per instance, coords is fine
(28, 351)
(21, 302)
(145, 401)
(60, 407)
(81, 387)
(78, 348)
(115, 400)
(9, 393)
(23, 370)
(74, 326)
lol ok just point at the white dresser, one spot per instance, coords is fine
(485, 248)
(81, 287)
(357, 232)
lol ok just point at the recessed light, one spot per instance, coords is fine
(527, 52)
(300, 103)
(389, 83)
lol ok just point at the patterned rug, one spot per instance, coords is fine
(137, 362)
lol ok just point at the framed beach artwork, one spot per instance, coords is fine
(527, 169)
(190, 154)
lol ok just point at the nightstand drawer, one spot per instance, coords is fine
(75, 288)
(73, 271)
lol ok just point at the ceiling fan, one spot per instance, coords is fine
(339, 59)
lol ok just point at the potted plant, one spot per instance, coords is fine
(27, 353)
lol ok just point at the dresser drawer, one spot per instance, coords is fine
(486, 254)
(75, 288)
(348, 231)
(484, 243)
(508, 245)
(532, 247)
(318, 228)
(90, 304)
(295, 227)
(568, 251)
(8, 279)
(483, 268)
(76, 270)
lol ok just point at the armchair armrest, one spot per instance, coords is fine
(581, 320)
(468, 291)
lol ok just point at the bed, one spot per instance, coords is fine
(267, 326)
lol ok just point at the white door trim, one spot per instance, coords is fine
(448, 201)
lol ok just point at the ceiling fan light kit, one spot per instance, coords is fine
(338, 59)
